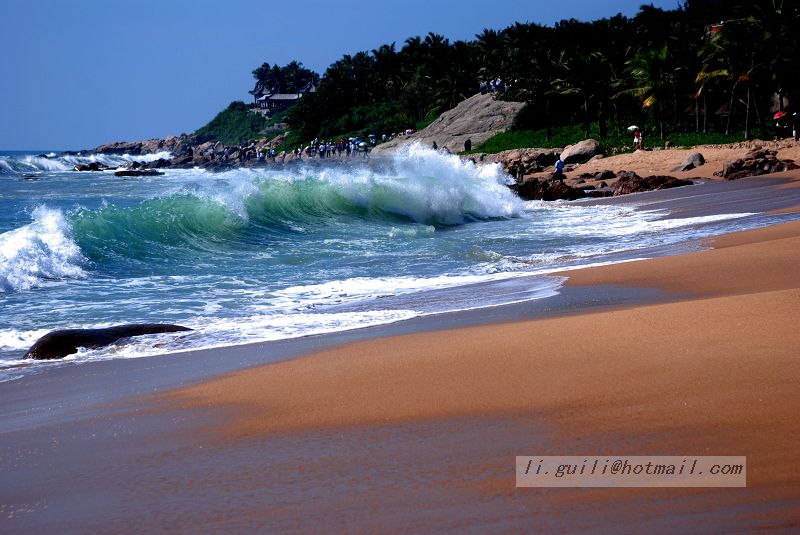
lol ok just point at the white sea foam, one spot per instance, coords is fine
(214, 332)
(419, 184)
(570, 220)
(40, 251)
(362, 289)
(15, 339)
(66, 162)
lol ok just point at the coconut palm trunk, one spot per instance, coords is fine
(747, 116)
(586, 117)
(730, 110)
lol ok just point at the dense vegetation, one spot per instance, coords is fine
(675, 73)
(290, 78)
(234, 125)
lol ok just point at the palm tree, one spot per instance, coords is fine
(653, 74)
(588, 75)
(387, 70)
(457, 81)
(489, 49)
(731, 58)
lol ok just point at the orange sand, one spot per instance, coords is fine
(725, 364)
(661, 162)
(714, 372)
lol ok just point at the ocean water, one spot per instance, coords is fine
(263, 254)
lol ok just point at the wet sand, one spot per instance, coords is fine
(715, 374)
(417, 430)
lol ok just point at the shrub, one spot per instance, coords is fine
(234, 125)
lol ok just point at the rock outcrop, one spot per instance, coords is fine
(138, 172)
(546, 190)
(520, 163)
(630, 182)
(477, 118)
(93, 166)
(177, 145)
(695, 159)
(755, 162)
(599, 175)
(581, 152)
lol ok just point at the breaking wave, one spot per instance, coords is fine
(12, 165)
(41, 251)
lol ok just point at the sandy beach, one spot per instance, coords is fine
(417, 432)
(714, 372)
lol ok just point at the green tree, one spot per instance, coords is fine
(653, 74)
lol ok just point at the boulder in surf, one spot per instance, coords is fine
(59, 344)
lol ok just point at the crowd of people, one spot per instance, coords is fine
(359, 146)
(493, 85)
(335, 149)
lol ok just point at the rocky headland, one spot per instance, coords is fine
(588, 171)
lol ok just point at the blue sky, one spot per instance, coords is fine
(80, 73)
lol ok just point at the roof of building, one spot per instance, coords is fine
(281, 96)
(260, 90)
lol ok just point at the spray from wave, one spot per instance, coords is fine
(40, 251)
(419, 185)
(244, 206)
(12, 165)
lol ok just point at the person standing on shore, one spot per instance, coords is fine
(559, 174)
(637, 140)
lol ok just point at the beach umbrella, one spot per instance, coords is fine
(779, 115)
(632, 127)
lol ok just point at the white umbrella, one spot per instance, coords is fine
(632, 127)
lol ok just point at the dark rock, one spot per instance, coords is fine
(605, 175)
(599, 193)
(756, 162)
(546, 190)
(630, 182)
(161, 163)
(218, 166)
(58, 344)
(546, 159)
(736, 175)
(120, 147)
(693, 160)
(93, 166)
(138, 172)
(182, 162)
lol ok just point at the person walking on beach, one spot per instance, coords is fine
(637, 140)
(435, 146)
